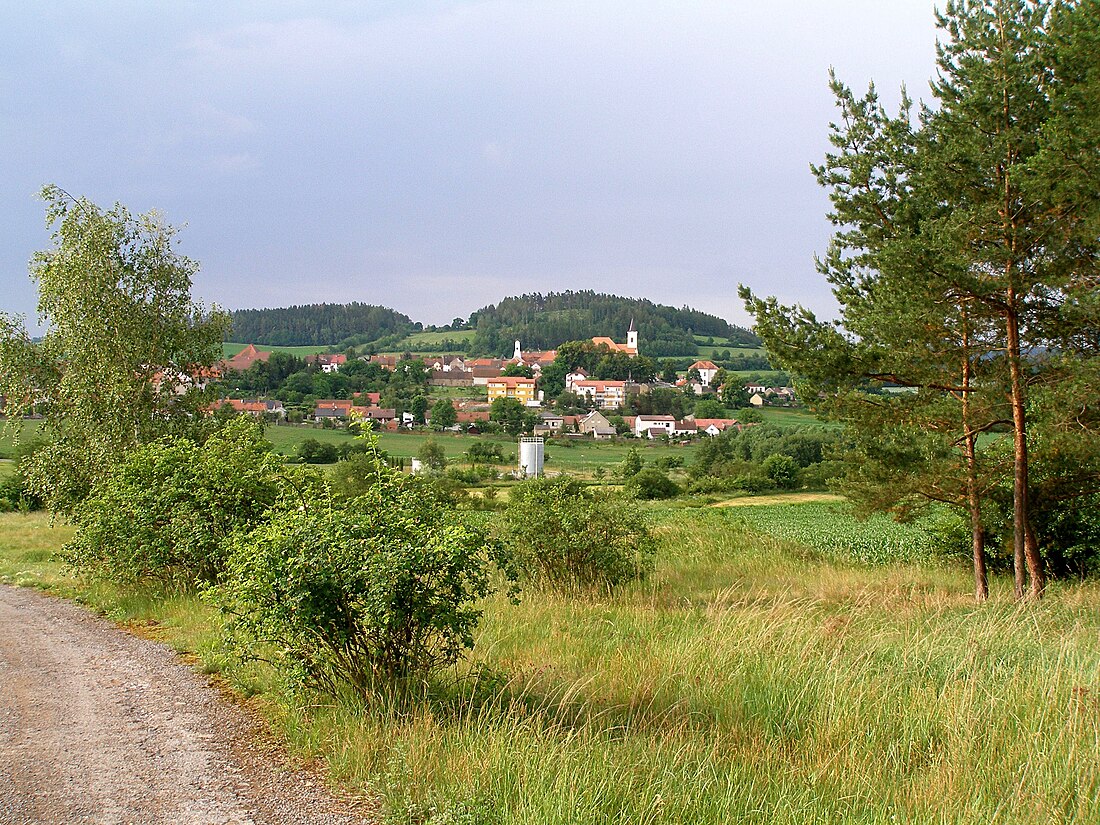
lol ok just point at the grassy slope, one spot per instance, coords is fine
(230, 349)
(428, 342)
(751, 680)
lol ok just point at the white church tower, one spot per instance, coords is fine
(632, 338)
(518, 356)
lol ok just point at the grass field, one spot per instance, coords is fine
(428, 342)
(23, 432)
(720, 344)
(231, 349)
(752, 679)
(581, 456)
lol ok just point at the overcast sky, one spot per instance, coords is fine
(436, 157)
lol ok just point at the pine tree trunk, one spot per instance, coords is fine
(1025, 547)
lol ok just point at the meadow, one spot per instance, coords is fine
(428, 343)
(564, 455)
(229, 349)
(754, 678)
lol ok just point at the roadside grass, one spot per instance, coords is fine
(753, 678)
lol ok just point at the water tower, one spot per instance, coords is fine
(530, 457)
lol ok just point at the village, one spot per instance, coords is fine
(478, 389)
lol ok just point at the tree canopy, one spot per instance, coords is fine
(125, 346)
(965, 264)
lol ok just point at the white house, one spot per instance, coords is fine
(645, 425)
(707, 370)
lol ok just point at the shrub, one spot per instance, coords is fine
(431, 455)
(368, 594)
(312, 451)
(560, 535)
(781, 469)
(165, 513)
(651, 483)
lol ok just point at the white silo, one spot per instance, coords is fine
(530, 457)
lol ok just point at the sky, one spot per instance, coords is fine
(436, 157)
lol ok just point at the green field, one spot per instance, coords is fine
(720, 344)
(752, 679)
(231, 349)
(22, 433)
(428, 342)
(580, 456)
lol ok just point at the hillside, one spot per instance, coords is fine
(319, 325)
(539, 321)
(546, 321)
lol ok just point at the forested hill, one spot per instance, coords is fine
(545, 321)
(318, 324)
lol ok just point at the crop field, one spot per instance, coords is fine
(751, 679)
(830, 529)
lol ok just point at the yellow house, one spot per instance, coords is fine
(521, 389)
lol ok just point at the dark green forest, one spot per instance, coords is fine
(318, 324)
(546, 321)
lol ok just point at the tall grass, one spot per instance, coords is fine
(752, 679)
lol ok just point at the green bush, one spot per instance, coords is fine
(651, 483)
(165, 513)
(560, 535)
(312, 451)
(368, 594)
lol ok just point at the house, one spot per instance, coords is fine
(550, 424)
(756, 399)
(246, 358)
(572, 378)
(454, 378)
(386, 362)
(255, 407)
(706, 369)
(373, 399)
(596, 425)
(607, 395)
(376, 415)
(327, 363)
(716, 426)
(535, 360)
(685, 427)
(553, 421)
(336, 409)
(647, 425)
(630, 347)
(480, 375)
(521, 389)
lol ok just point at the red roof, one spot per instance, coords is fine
(703, 365)
(513, 381)
(246, 358)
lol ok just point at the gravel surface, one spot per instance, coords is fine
(100, 726)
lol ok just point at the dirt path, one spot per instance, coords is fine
(99, 726)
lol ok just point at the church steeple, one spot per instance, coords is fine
(632, 337)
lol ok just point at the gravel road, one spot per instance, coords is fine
(99, 726)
